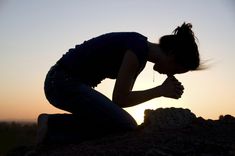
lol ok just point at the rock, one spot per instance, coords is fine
(165, 132)
(168, 118)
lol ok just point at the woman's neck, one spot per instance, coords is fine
(154, 52)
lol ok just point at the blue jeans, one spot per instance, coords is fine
(88, 105)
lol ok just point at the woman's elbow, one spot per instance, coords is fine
(120, 101)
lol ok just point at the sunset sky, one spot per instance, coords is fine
(34, 34)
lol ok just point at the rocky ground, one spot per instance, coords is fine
(165, 132)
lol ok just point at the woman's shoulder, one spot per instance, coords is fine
(124, 34)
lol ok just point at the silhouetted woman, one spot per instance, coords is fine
(70, 83)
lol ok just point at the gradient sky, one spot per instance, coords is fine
(35, 33)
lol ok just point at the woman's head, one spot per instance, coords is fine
(181, 44)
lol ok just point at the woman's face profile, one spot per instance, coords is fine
(168, 65)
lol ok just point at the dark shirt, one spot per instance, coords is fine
(101, 57)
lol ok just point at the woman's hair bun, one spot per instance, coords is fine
(184, 31)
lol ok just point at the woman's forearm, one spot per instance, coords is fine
(136, 97)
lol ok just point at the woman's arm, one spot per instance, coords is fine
(125, 97)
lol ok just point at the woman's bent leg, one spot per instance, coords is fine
(93, 114)
(97, 109)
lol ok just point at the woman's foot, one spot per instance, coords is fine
(42, 130)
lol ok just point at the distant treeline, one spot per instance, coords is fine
(16, 134)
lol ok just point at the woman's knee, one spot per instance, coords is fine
(133, 125)
(128, 125)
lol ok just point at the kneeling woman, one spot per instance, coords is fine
(70, 83)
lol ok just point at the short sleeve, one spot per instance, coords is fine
(139, 45)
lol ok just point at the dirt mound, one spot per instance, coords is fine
(165, 132)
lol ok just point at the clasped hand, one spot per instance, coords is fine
(172, 88)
